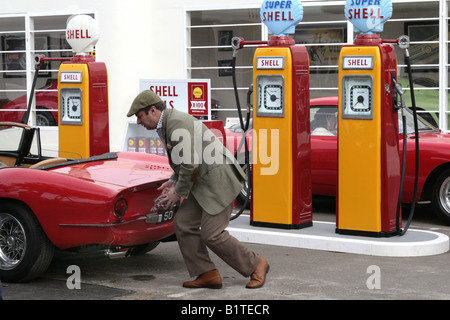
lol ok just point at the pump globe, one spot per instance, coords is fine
(82, 33)
(282, 16)
(368, 17)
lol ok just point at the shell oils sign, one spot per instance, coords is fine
(192, 96)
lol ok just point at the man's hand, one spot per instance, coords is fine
(168, 195)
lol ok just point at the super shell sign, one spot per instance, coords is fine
(368, 16)
(281, 16)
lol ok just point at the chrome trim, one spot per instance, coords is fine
(101, 225)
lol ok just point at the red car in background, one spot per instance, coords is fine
(46, 103)
(434, 153)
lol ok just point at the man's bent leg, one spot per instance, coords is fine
(187, 229)
(228, 248)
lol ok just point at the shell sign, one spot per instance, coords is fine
(192, 96)
(198, 99)
(368, 16)
(82, 33)
(281, 16)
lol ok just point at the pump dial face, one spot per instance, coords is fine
(357, 97)
(270, 96)
(71, 106)
(74, 107)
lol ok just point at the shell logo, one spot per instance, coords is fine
(198, 92)
(82, 33)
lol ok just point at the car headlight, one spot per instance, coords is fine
(120, 208)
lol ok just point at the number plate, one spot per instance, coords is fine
(162, 216)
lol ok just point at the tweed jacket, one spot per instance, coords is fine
(202, 165)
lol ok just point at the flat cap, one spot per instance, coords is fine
(144, 99)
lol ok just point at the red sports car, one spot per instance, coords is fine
(434, 153)
(103, 202)
(434, 158)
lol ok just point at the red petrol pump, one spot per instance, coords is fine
(281, 172)
(369, 166)
(83, 95)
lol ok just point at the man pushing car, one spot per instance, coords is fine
(208, 189)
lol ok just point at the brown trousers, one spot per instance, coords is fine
(197, 230)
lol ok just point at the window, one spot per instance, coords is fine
(420, 21)
(21, 38)
(209, 35)
(324, 30)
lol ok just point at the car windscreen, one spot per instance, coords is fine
(422, 124)
(10, 138)
(323, 120)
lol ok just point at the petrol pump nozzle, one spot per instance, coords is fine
(399, 90)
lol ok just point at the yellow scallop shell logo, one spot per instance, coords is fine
(198, 92)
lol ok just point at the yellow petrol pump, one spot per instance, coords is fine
(281, 174)
(82, 95)
(368, 149)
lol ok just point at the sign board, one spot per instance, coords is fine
(192, 96)
(71, 77)
(82, 33)
(281, 16)
(357, 62)
(270, 63)
(368, 16)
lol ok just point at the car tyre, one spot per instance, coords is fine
(25, 250)
(440, 196)
(44, 118)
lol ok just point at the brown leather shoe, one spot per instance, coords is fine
(210, 279)
(258, 277)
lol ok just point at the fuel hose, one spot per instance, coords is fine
(33, 87)
(244, 127)
(416, 137)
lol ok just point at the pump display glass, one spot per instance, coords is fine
(71, 108)
(270, 96)
(357, 97)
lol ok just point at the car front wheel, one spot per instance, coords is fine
(25, 251)
(440, 197)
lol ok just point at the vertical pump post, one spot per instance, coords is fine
(83, 95)
(368, 148)
(281, 172)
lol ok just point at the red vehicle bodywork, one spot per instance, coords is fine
(74, 203)
(434, 157)
(434, 153)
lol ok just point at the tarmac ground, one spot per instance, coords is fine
(295, 274)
